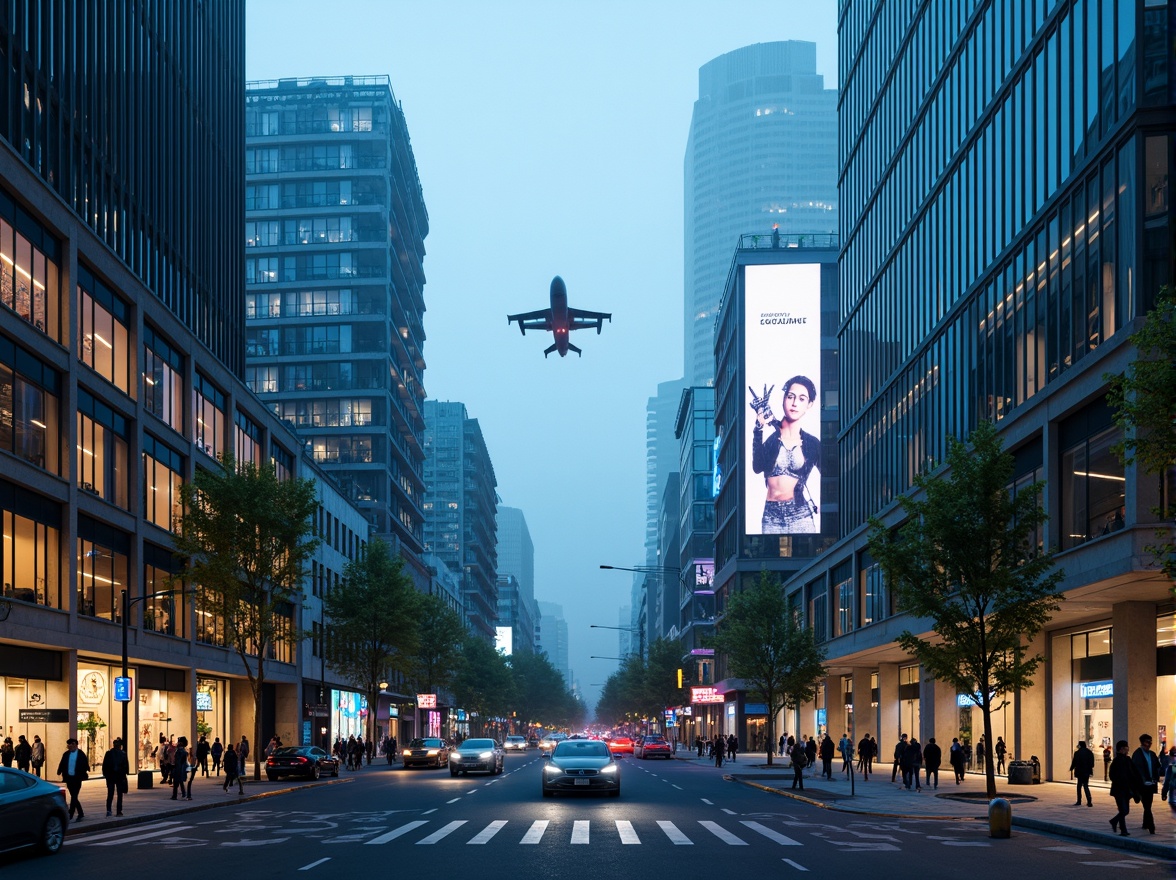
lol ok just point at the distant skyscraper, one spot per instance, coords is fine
(762, 150)
(460, 505)
(661, 457)
(516, 552)
(553, 638)
(334, 244)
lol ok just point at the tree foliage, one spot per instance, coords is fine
(966, 560)
(768, 647)
(483, 683)
(440, 635)
(245, 539)
(541, 695)
(1144, 399)
(642, 687)
(373, 622)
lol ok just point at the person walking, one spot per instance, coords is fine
(242, 756)
(233, 771)
(899, 748)
(799, 755)
(810, 752)
(202, 751)
(23, 753)
(1082, 766)
(7, 752)
(866, 751)
(216, 751)
(1169, 790)
(179, 773)
(74, 769)
(717, 749)
(115, 769)
(956, 756)
(1147, 765)
(827, 751)
(732, 747)
(932, 759)
(1000, 750)
(1107, 762)
(38, 755)
(981, 752)
(1125, 785)
(783, 742)
(912, 761)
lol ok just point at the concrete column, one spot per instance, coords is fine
(834, 708)
(1063, 736)
(1133, 636)
(1030, 720)
(865, 715)
(889, 707)
(939, 716)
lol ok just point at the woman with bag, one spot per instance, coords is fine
(232, 771)
(115, 768)
(38, 755)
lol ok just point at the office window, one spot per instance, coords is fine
(102, 451)
(1092, 488)
(282, 461)
(843, 590)
(247, 437)
(29, 408)
(29, 553)
(103, 331)
(163, 384)
(102, 578)
(29, 277)
(208, 408)
(210, 616)
(166, 614)
(163, 470)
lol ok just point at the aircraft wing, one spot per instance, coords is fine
(582, 319)
(538, 320)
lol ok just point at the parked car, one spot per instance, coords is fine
(32, 812)
(309, 761)
(425, 752)
(654, 746)
(620, 745)
(581, 765)
(515, 744)
(476, 754)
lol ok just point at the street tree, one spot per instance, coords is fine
(660, 685)
(372, 623)
(620, 696)
(966, 560)
(1144, 399)
(483, 683)
(770, 648)
(245, 539)
(540, 693)
(440, 635)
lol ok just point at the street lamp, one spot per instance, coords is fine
(597, 657)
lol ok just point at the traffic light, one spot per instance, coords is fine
(679, 676)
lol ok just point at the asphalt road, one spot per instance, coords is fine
(672, 818)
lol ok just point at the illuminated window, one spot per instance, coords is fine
(103, 334)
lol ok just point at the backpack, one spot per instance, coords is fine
(799, 758)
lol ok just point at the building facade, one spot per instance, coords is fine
(516, 558)
(553, 638)
(335, 224)
(761, 155)
(1006, 224)
(460, 506)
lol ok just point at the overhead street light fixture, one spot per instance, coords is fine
(645, 569)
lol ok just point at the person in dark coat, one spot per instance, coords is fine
(865, 754)
(827, 752)
(799, 756)
(1082, 766)
(179, 774)
(115, 769)
(1147, 765)
(958, 759)
(732, 747)
(233, 771)
(74, 769)
(203, 750)
(23, 753)
(718, 749)
(810, 751)
(1125, 786)
(932, 759)
(912, 764)
(899, 748)
(216, 751)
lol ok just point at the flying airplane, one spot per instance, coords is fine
(559, 319)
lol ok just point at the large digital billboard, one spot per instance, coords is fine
(782, 370)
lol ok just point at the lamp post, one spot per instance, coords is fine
(661, 571)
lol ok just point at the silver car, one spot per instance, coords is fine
(485, 755)
(581, 765)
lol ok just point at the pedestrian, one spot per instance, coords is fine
(1000, 750)
(1147, 764)
(393, 748)
(74, 769)
(23, 753)
(1169, 790)
(783, 741)
(717, 748)
(179, 773)
(1082, 766)
(932, 758)
(242, 756)
(233, 771)
(799, 755)
(271, 746)
(956, 757)
(216, 751)
(7, 752)
(899, 748)
(202, 751)
(700, 745)
(1106, 761)
(38, 755)
(827, 750)
(810, 752)
(864, 756)
(387, 749)
(115, 769)
(912, 763)
(167, 754)
(981, 753)
(1125, 786)
(847, 754)
(732, 746)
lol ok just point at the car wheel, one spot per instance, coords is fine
(546, 792)
(52, 834)
(452, 771)
(616, 792)
(336, 773)
(272, 777)
(315, 773)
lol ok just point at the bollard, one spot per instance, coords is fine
(1000, 818)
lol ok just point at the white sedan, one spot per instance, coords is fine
(515, 744)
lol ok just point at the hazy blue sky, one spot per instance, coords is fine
(549, 138)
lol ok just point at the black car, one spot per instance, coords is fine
(309, 761)
(423, 752)
(32, 812)
(581, 765)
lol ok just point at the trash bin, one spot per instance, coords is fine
(1020, 773)
(146, 779)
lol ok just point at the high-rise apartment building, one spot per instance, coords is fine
(553, 638)
(335, 224)
(761, 154)
(516, 550)
(460, 506)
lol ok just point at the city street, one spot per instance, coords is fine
(671, 815)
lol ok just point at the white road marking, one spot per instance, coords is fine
(677, 786)
(730, 812)
(92, 838)
(454, 801)
(794, 864)
(675, 836)
(396, 832)
(705, 801)
(314, 864)
(580, 831)
(535, 832)
(772, 835)
(441, 832)
(488, 832)
(721, 833)
(625, 829)
(426, 812)
(139, 837)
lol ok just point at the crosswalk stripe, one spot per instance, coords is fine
(535, 832)
(138, 837)
(672, 832)
(625, 829)
(120, 833)
(441, 832)
(767, 832)
(488, 832)
(580, 831)
(396, 832)
(721, 833)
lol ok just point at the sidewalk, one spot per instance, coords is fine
(144, 805)
(1048, 806)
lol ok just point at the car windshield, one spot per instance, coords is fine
(287, 751)
(478, 744)
(514, 739)
(425, 744)
(654, 739)
(581, 748)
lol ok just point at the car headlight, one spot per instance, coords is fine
(553, 769)
(609, 768)
(432, 753)
(486, 756)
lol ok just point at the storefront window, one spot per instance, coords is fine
(1166, 679)
(99, 717)
(211, 717)
(908, 694)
